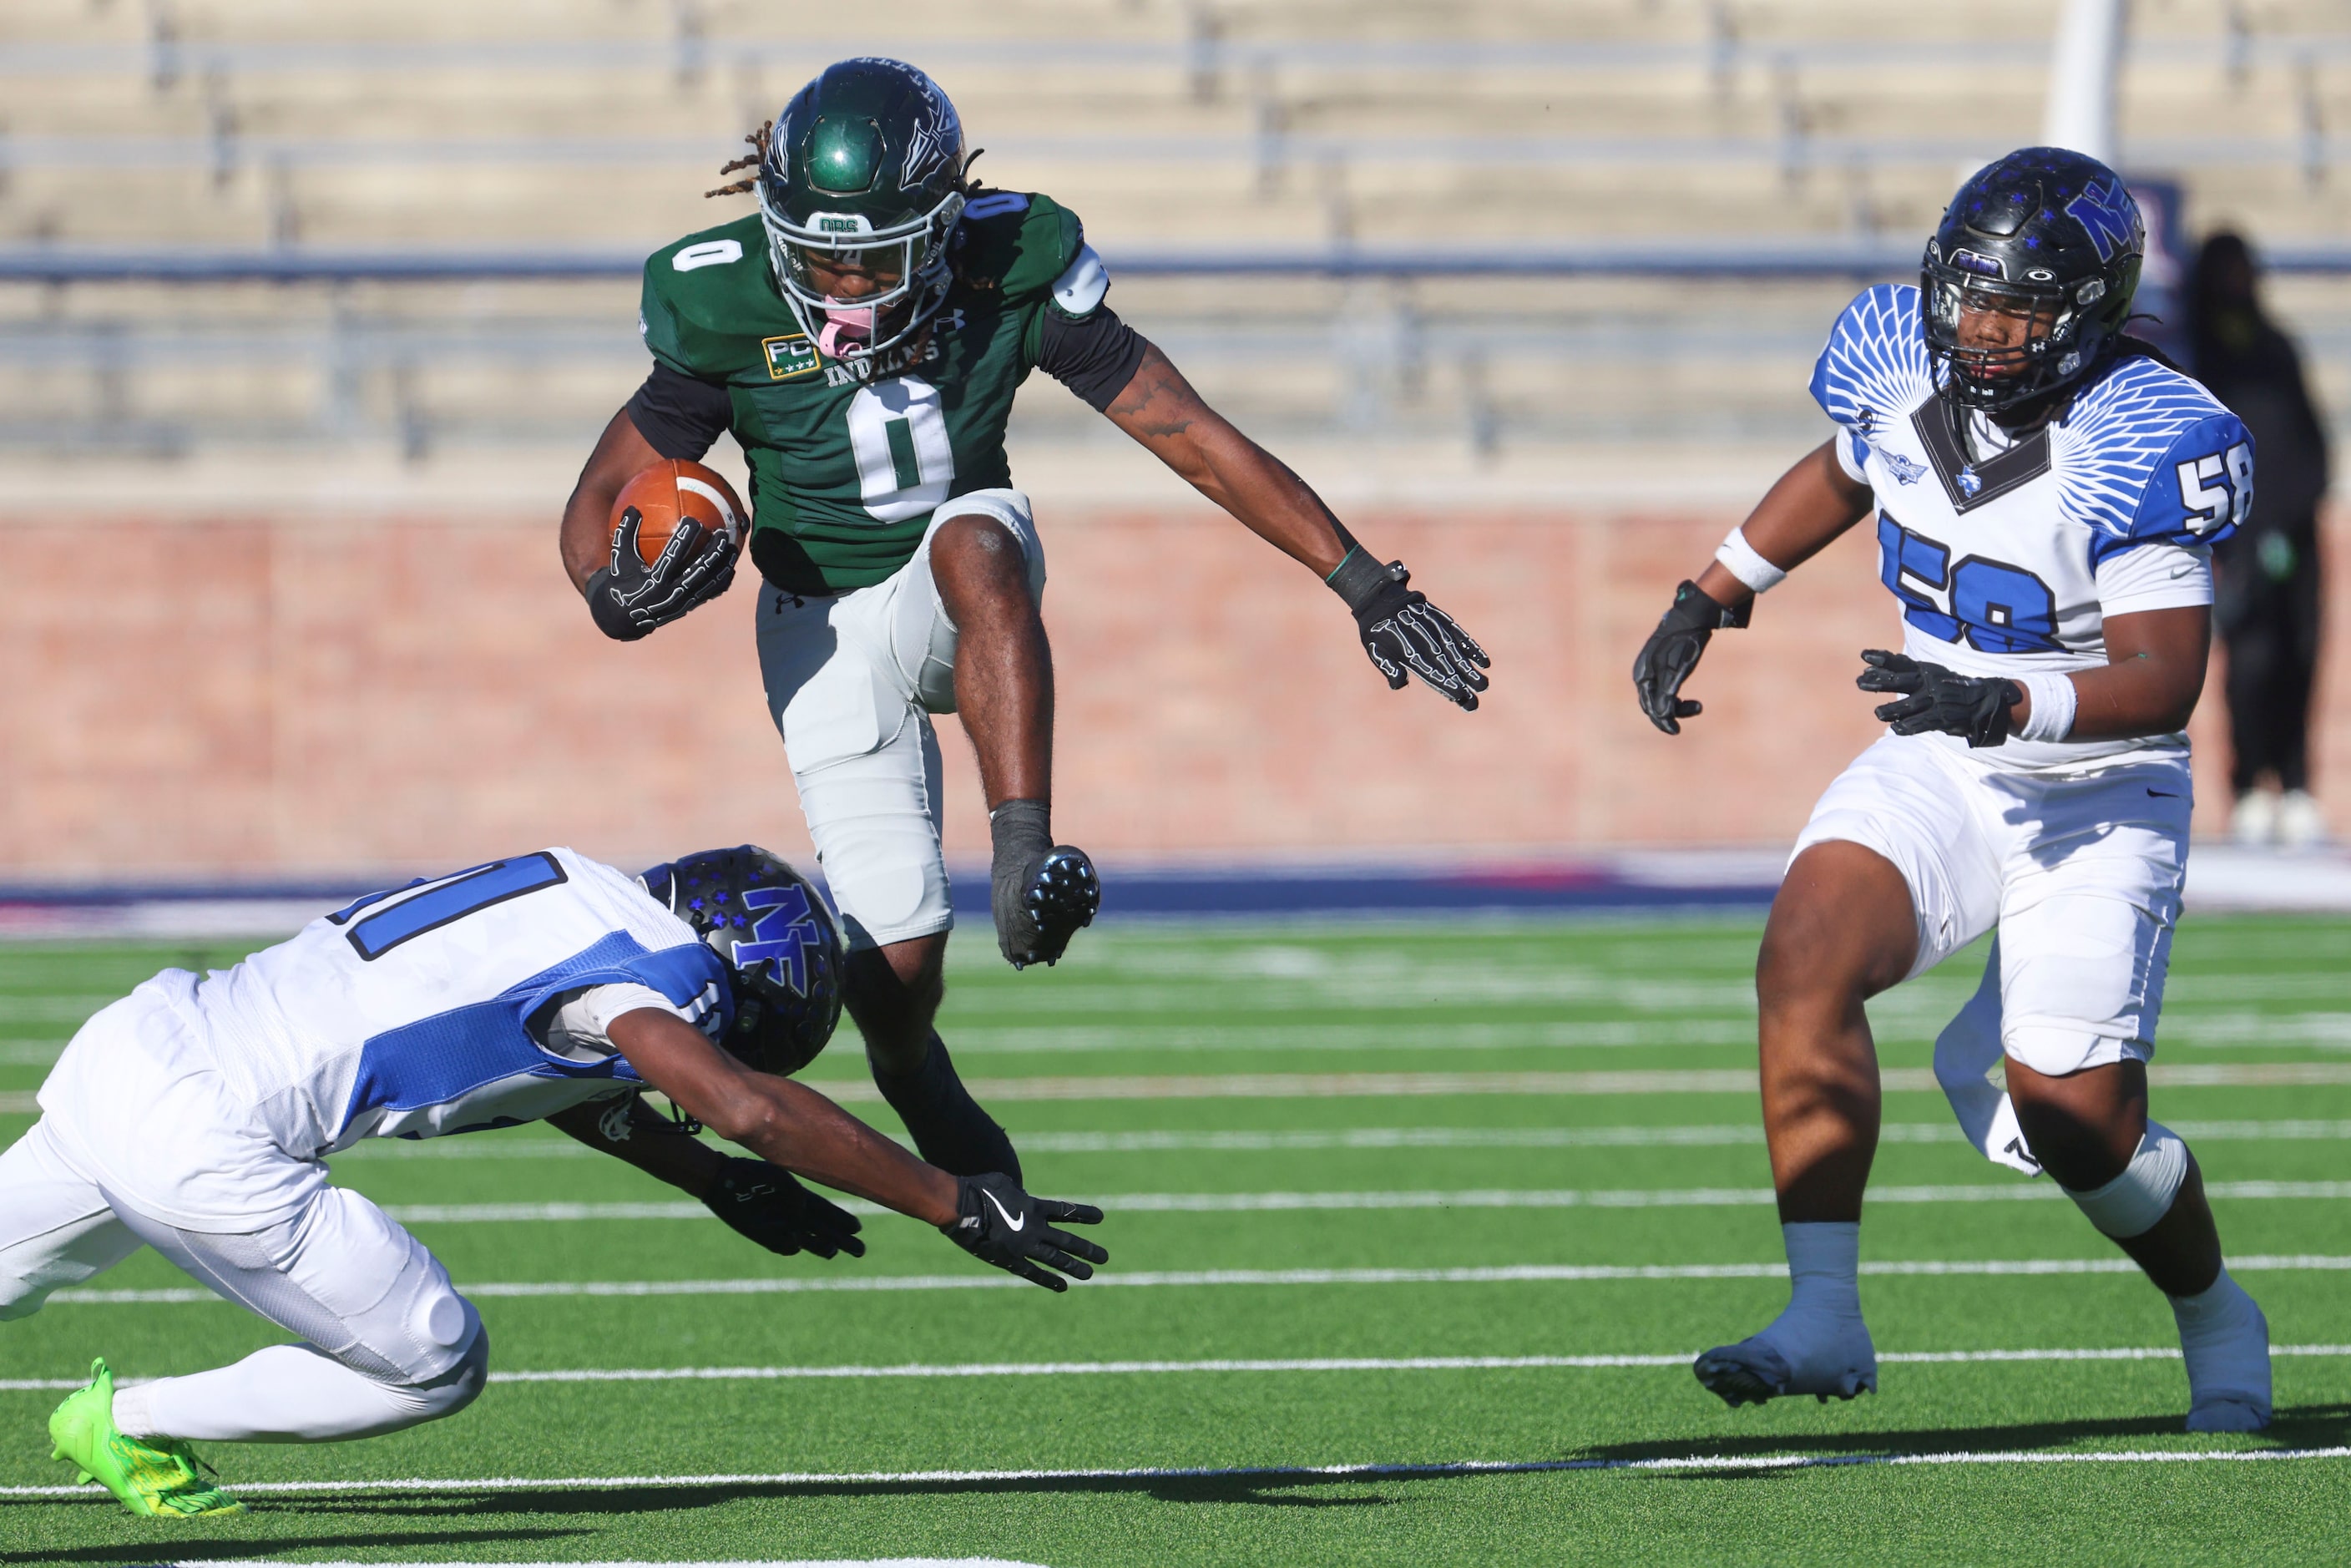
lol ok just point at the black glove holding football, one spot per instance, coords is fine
(1670, 655)
(998, 1223)
(630, 599)
(1937, 699)
(1405, 635)
(762, 1203)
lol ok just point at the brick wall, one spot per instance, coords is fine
(192, 697)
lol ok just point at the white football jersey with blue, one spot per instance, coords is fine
(410, 1013)
(2007, 556)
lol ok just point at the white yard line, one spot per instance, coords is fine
(1372, 1085)
(1292, 1202)
(1503, 1274)
(529, 1146)
(1375, 1085)
(1369, 1035)
(1258, 1365)
(1263, 1472)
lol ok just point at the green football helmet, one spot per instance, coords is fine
(864, 172)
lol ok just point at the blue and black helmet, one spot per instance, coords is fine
(779, 944)
(2046, 236)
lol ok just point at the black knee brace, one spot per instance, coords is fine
(949, 1128)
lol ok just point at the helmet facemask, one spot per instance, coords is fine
(909, 261)
(1998, 344)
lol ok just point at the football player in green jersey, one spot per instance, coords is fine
(861, 336)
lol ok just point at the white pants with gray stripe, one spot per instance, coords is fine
(387, 1341)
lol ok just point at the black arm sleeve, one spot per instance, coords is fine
(678, 416)
(1095, 356)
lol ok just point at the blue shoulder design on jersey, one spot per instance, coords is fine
(441, 1059)
(1874, 368)
(2146, 455)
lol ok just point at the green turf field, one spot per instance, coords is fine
(1371, 1192)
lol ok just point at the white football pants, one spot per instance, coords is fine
(851, 679)
(388, 1342)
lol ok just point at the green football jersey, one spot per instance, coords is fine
(850, 457)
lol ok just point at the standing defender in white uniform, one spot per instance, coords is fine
(2047, 492)
(196, 1115)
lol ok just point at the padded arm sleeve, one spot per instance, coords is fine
(680, 415)
(1094, 355)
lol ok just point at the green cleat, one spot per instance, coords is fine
(155, 1477)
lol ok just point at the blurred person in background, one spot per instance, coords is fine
(2267, 606)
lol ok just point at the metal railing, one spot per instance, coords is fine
(1857, 256)
(1208, 54)
(408, 363)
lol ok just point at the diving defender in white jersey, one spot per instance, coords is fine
(2047, 492)
(195, 1116)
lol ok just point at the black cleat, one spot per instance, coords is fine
(1062, 898)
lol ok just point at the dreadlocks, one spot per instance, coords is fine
(759, 140)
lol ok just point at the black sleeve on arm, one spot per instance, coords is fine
(1095, 356)
(678, 416)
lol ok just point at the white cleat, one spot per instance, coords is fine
(1823, 1356)
(2226, 1345)
(2253, 820)
(2299, 824)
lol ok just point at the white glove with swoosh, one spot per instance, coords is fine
(998, 1223)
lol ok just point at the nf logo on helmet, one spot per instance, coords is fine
(783, 930)
(2107, 215)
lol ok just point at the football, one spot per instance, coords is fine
(674, 491)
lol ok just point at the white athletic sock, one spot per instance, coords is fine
(130, 1413)
(286, 1394)
(2225, 1341)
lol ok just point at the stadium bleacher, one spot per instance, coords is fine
(1625, 136)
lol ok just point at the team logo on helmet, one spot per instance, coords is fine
(785, 932)
(2107, 215)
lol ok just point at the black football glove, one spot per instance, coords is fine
(1938, 699)
(764, 1204)
(1405, 635)
(998, 1223)
(1040, 893)
(1670, 655)
(629, 599)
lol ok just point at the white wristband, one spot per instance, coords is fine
(1742, 561)
(2052, 717)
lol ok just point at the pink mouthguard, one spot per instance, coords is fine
(845, 328)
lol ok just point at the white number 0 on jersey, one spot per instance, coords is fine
(2229, 499)
(905, 465)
